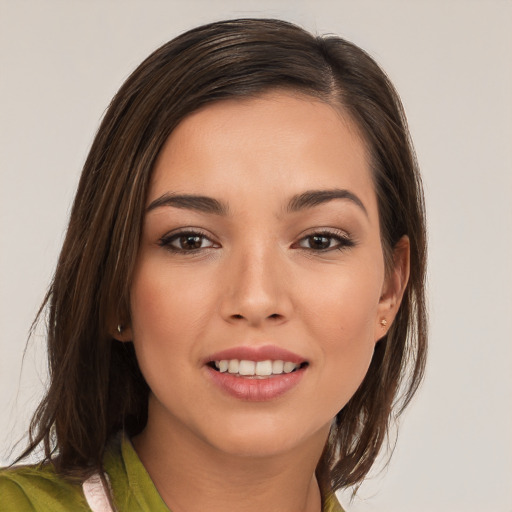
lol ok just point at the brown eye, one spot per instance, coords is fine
(326, 241)
(186, 242)
(319, 242)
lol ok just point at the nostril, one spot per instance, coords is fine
(274, 316)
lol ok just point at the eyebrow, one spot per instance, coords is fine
(312, 198)
(205, 204)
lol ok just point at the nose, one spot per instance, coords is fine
(256, 288)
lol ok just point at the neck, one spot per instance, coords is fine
(191, 474)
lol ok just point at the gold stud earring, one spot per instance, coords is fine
(119, 328)
(383, 322)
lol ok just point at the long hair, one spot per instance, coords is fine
(96, 387)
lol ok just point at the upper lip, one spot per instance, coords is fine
(261, 353)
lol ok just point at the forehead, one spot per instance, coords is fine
(272, 143)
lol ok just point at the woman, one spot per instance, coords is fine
(238, 309)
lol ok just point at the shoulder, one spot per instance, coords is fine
(38, 489)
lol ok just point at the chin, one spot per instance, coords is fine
(264, 437)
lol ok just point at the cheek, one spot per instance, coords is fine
(164, 301)
(344, 305)
(342, 321)
(167, 314)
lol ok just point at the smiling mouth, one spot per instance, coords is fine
(256, 369)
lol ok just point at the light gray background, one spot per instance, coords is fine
(61, 62)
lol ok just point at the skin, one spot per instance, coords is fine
(256, 279)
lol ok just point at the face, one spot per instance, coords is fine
(260, 284)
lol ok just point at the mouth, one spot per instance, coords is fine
(247, 368)
(256, 373)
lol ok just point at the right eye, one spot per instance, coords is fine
(186, 242)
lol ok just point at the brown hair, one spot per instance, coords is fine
(96, 387)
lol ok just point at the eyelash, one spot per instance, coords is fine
(343, 241)
(167, 240)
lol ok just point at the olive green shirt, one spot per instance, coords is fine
(40, 489)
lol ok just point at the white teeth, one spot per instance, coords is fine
(233, 366)
(252, 368)
(289, 367)
(264, 368)
(277, 367)
(246, 367)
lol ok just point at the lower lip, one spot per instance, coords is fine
(256, 389)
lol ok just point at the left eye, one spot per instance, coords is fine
(324, 242)
(186, 242)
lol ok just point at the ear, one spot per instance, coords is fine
(393, 288)
(121, 332)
